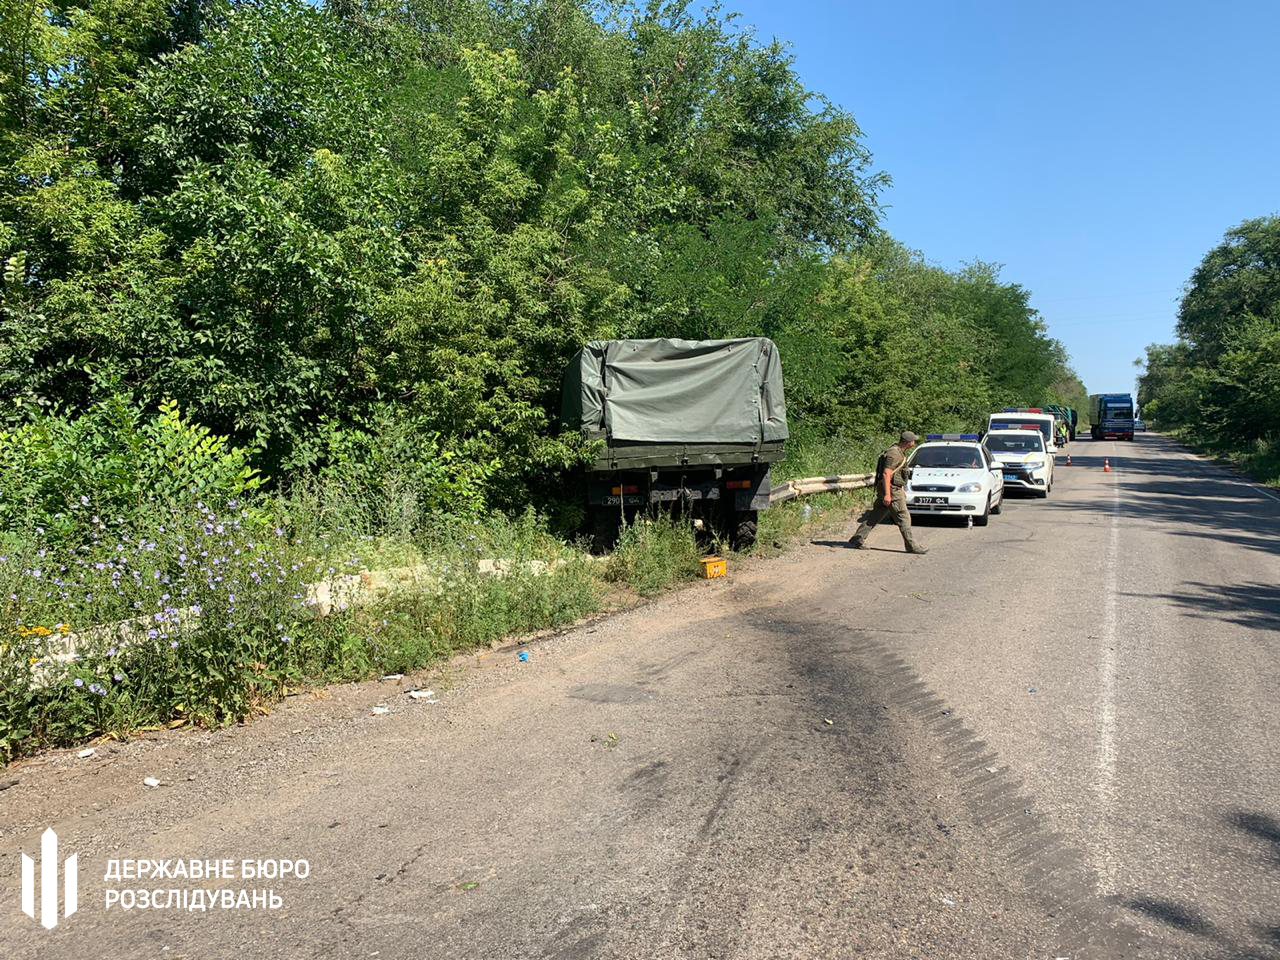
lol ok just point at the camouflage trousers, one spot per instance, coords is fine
(878, 513)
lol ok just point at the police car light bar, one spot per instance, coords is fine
(1014, 426)
(1022, 410)
(952, 436)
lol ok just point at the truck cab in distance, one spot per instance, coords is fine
(1112, 416)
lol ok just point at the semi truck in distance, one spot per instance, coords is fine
(689, 425)
(1111, 415)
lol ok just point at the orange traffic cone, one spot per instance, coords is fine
(1106, 465)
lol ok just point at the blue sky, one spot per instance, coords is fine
(1096, 150)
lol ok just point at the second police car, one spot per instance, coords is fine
(954, 475)
(1023, 456)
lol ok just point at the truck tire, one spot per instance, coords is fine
(745, 528)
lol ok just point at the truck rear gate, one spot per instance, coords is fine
(687, 424)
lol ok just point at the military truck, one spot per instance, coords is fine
(691, 426)
(1066, 415)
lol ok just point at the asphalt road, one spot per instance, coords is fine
(1053, 737)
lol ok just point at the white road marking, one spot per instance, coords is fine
(1104, 781)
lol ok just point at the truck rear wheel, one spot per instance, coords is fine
(745, 529)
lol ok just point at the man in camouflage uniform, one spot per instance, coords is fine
(891, 496)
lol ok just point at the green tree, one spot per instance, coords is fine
(1240, 277)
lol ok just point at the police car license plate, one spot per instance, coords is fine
(931, 500)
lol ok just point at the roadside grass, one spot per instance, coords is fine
(1260, 462)
(781, 526)
(206, 619)
(828, 456)
(419, 627)
(653, 555)
(202, 615)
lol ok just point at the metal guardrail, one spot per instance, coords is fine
(809, 486)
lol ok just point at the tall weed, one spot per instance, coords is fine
(653, 555)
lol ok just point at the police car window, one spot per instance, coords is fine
(966, 458)
(1014, 443)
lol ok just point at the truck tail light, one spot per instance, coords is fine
(629, 488)
(738, 485)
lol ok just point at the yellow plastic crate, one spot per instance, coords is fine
(713, 567)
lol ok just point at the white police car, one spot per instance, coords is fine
(1020, 449)
(952, 474)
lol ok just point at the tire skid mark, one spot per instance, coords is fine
(1052, 870)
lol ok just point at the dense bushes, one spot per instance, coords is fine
(295, 220)
(286, 225)
(1219, 384)
(59, 471)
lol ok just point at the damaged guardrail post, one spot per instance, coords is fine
(809, 486)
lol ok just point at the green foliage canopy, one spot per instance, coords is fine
(1221, 381)
(301, 222)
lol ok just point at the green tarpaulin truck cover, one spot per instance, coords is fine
(677, 391)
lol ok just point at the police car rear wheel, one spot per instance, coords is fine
(999, 505)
